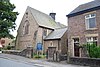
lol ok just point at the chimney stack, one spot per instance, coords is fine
(52, 15)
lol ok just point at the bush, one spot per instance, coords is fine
(37, 56)
(9, 47)
(93, 50)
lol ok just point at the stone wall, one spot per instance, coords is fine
(57, 57)
(60, 44)
(25, 40)
(26, 52)
(51, 43)
(64, 43)
(93, 62)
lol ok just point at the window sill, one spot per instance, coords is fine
(92, 29)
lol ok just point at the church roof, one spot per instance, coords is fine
(43, 19)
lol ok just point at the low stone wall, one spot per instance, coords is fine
(63, 57)
(57, 57)
(15, 52)
(26, 52)
(93, 62)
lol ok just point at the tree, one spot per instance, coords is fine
(7, 19)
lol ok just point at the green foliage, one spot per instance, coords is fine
(39, 56)
(9, 47)
(7, 18)
(93, 50)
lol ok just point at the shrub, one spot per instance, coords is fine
(93, 50)
(9, 47)
(37, 56)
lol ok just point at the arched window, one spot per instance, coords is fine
(26, 27)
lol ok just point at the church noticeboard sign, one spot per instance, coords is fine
(39, 46)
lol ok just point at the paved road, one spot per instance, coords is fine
(13, 63)
(7, 60)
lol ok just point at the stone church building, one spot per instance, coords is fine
(36, 28)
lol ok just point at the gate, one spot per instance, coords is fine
(51, 51)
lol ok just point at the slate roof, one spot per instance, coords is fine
(56, 34)
(43, 19)
(61, 25)
(86, 6)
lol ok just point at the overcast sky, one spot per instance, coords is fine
(60, 7)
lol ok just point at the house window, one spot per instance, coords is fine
(90, 21)
(92, 40)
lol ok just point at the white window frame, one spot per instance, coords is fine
(87, 17)
(90, 40)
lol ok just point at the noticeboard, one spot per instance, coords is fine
(39, 46)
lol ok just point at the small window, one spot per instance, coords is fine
(90, 21)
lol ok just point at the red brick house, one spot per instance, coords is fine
(83, 27)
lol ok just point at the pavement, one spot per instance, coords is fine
(37, 62)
